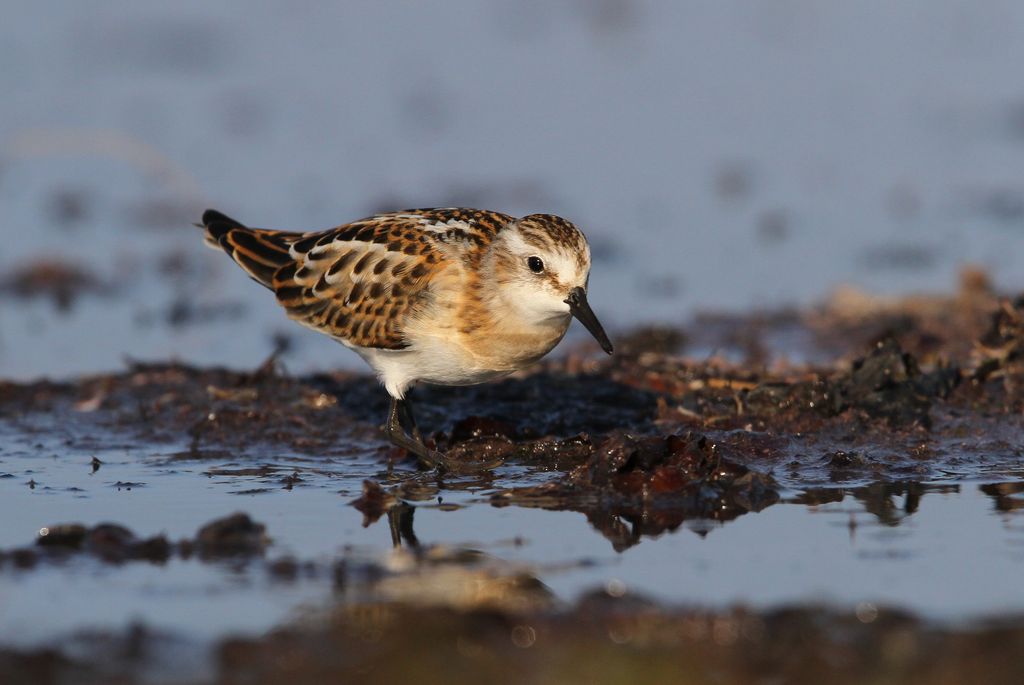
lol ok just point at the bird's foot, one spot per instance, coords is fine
(444, 463)
(402, 432)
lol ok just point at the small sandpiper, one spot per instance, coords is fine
(445, 296)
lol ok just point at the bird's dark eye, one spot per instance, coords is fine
(536, 264)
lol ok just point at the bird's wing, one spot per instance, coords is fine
(361, 282)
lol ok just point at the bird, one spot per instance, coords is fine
(445, 296)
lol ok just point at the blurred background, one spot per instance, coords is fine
(720, 156)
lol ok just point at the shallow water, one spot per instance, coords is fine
(949, 550)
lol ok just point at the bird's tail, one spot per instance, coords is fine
(260, 252)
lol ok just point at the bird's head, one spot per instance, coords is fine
(542, 265)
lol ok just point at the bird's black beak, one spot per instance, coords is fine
(580, 308)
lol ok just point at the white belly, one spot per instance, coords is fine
(449, 359)
(399, 369)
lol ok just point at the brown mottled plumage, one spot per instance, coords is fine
(449, 296)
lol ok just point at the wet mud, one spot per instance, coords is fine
(631, 486)
(604, 638)
(918, 397)
(607, 639)
(236, 535)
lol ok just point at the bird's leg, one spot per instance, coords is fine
(400, 522)
(408, 420)
(396, 433)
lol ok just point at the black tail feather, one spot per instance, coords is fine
(260, 253)
(218, 224)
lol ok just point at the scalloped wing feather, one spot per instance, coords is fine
(359, 283)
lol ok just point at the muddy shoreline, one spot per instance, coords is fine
(897, 399)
